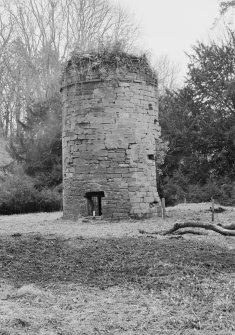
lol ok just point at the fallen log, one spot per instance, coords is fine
(189, 231)
(207, 226)
(182, 232)
(191, 224)
(229, 226)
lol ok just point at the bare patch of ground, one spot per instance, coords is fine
(60, 277)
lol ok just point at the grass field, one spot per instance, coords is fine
(98, 277)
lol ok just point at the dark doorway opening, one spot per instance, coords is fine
(94, 203)
(151, 157)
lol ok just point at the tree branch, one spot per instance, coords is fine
(191, 224)
(229, 226)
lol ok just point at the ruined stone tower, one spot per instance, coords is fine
(110, 127)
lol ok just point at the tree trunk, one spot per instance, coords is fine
(190, 224)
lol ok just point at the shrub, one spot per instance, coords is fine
(173, 193)
(174, 190)
(19, 195)
(203, 193)
(50, 200)
(227, 194)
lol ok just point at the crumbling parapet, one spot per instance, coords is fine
(110, 126)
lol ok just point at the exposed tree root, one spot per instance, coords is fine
(181, 225)
(190, 231)
(229, 226)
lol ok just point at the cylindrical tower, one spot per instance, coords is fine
(110, 127)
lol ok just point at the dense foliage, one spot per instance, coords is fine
(19, 194)
(199, 123)
(38, 142)
(35, 183)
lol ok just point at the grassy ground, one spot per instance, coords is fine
(105, 278)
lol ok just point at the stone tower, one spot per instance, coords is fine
(110, 127)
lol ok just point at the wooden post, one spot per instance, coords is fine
(163, 209)
(212, 209)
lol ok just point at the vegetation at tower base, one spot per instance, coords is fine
(110, 128)
(199, 123)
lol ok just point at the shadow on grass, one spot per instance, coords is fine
(150, 263)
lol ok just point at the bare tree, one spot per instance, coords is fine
(226, 5)
(167, 72)
(37, 36)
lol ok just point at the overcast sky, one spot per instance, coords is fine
(172, 26)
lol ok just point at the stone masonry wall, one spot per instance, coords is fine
(109, 131)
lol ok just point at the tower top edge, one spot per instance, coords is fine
(107, 65)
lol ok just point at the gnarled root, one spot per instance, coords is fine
(190, 224)
(229, 226)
